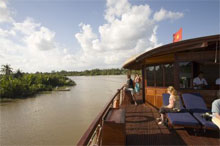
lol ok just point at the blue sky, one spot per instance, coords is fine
(73, 26)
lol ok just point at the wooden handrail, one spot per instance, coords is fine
(87, 135)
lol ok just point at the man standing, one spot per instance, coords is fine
(129, 86)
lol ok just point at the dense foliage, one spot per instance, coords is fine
(22, 85)
(94, 72)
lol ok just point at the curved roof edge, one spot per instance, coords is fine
(170, 47)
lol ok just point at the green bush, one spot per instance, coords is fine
(29, 84)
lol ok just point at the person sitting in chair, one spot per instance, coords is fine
(174, 105)
(199, 82)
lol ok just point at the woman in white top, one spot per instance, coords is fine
(174, 104)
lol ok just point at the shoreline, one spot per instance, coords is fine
(28, 86)
(60, 88)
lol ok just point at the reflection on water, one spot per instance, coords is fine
(58, 118)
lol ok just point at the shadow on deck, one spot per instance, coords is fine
(142, 129)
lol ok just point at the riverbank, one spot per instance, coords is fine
(31, 84)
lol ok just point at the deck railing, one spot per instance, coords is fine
(92, 136)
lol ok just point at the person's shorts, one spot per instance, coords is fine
(131, 90)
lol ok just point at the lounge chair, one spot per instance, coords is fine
(182, 118)
(196, 105)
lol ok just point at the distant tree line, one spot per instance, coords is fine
(95, 72)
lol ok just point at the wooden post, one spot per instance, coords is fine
(143, 83)
(176, 74)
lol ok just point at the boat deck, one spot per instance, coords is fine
(142, 129)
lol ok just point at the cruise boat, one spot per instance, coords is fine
(175, 64)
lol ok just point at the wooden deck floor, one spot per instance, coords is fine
(142, 129)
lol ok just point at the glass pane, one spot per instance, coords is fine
(185, 74)
(150, 75)
(159, 75)
(211, 74)
(169, 75)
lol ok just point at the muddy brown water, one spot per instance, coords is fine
(59, 117)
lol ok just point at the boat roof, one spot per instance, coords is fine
(184, 45)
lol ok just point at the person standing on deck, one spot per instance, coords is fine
(174, 104)
(137, 81)
(199, 82)
(129, 86)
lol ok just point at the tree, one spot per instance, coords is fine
(6, 69)
(18, 74)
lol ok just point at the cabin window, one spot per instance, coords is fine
(185, 74)
(169, 74)
(159, 75)
(150, 75)
(211, 73)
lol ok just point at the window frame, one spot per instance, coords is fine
(154, 74)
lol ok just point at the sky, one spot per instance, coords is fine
(76, 35)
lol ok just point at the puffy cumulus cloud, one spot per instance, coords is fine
(164, 14)
(125, 34)
(5, 15)
(35, 35)
(19, 55)
(116, 9)
(6, 33)
(130, 29)
(86, 37)
(42, 39)
(27, 27)
(32, 47)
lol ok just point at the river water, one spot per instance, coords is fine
(59, 117)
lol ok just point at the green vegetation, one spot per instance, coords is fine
(19, 85)
(95, 72)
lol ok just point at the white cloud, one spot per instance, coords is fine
(42, 39)
(85, 37)
(5, 33)
(35, 36)
(4, 12)
(32, 47)
(115, 9)
(164, 14)
(129, 30)
(27, 27)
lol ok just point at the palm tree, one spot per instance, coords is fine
(6, 69)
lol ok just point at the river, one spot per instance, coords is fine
(59, 117)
